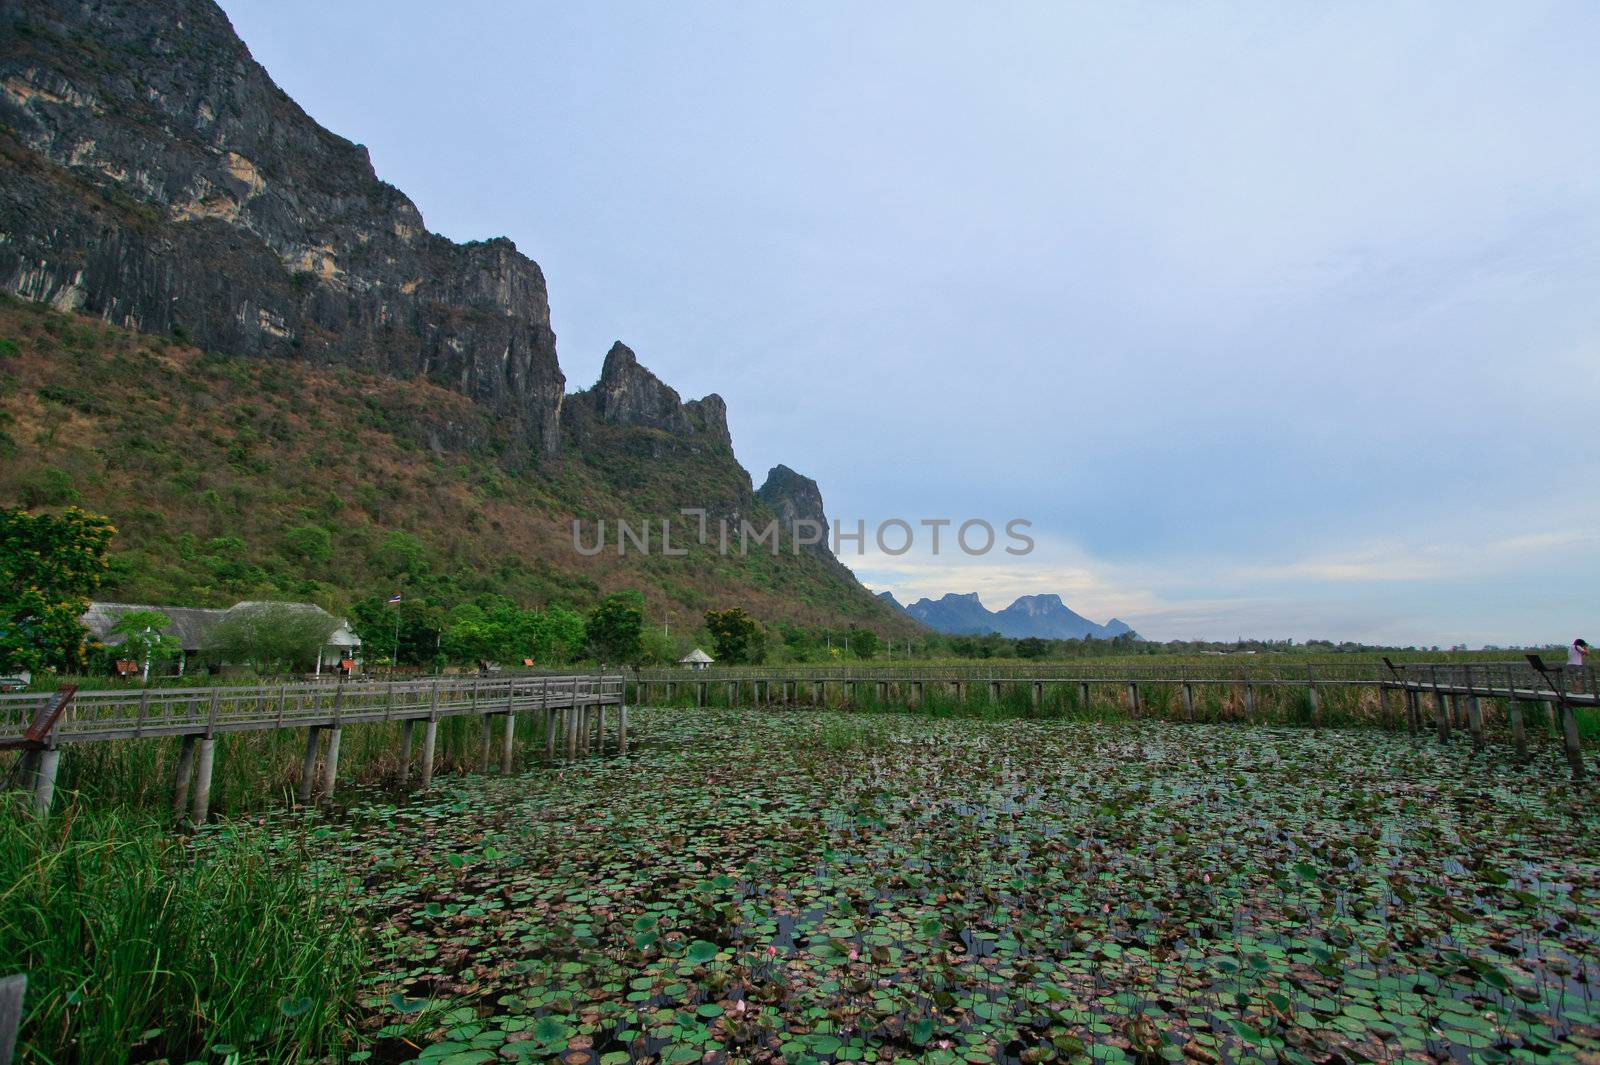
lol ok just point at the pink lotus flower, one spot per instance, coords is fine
(855, 955)
(772, 952)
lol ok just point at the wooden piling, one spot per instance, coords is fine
(1475, 720)
(330, 764)
(202, 780)
(1083, 695)
(572, 733)
(508, 740)
(408, 730)
(430, 740)
(622, 729)
(1038, 695)
(485, 742)
(44, 779)
(1188, 702)
(180, 785)
(1441, 715)
(12, 991)
(1519, 729)
(308, 766)
(994, 692)
(1133, 698)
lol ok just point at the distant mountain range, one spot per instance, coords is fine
(1044, 616)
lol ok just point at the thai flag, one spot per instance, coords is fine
(395, 598)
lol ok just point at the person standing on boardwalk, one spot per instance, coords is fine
(1575, 657)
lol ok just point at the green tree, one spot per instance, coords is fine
(402, 555)
(420, 624)
(1032, 647)
(272, 636)
(614, 627)
(738, 636)
(864, 643)
(558, 635)
(49, 566)
(310, 543)
(143, 633)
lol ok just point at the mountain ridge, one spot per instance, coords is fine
(158, 180)
(1043, 616)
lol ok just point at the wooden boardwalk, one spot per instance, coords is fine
(574, 708)
(1456, 690)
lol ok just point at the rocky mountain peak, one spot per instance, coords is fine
(795, 498)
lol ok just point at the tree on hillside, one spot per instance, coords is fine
(1032, 647)
(864, 642)
(143, 634)
(272, 636)
(738, 636)
(420, 624)
(614, 628)
(49, 566)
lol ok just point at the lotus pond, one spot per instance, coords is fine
(815, 887)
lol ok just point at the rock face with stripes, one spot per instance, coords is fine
(155, 176)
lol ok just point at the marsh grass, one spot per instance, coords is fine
(139, 944)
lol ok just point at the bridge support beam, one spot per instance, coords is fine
(430, 741)
(1413, 712)
(1441, 716)
(330, 768)
(180, 785)
(1570, 741)
(1038, 695)
(408, 730)
(1314, 698)
(1133, 698)
(1083, 695)
(308, 766)
(202, 779)
(622, 729)
(883, 692)
(994, 692)
(1188, 702)
(1475, 720)
(45, 766)
(485, 742)
(508, 743)
(1519, 730)
(1249, 702)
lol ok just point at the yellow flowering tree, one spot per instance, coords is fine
(49, 566)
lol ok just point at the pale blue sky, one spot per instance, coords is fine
(1275, 319)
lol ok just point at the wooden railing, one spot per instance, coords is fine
(572, 705)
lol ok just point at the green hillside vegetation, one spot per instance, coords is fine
(234, 478)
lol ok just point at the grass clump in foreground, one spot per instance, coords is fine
(139, 945)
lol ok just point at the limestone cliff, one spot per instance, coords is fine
(156, 177)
